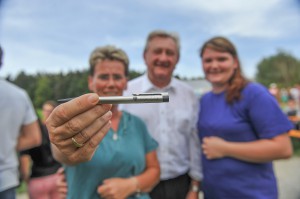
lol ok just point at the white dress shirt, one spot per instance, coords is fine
(172, 124)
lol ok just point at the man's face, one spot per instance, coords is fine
(109, 78)
(161, 58)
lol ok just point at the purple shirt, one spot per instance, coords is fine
(256, 116)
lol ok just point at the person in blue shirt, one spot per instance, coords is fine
(124, 164)
(241, 128)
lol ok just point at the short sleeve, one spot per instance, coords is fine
(267, 119)
(30, 115)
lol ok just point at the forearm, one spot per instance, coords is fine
(59, 156)
(259, 151)
(195, 183)
(25, 162)
(25, 143)
(150, 177)
(30, 137)
(147, 180)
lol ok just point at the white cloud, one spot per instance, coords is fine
(247, 18)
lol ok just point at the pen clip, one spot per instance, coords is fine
(145, 94)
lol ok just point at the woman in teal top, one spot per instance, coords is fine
(125, 164)
(121, 156)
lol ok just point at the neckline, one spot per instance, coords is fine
(218, 94)
(122, 127)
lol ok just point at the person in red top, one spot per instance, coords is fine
(41, 177)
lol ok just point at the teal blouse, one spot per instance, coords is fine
(117, 156)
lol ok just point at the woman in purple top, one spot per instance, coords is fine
(241, 127)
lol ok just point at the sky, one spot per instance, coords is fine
(58, 35)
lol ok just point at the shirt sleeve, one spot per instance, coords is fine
(150, 143)
(267, 119)
(195, 146)
(30, 115)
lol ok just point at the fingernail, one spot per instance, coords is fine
(93, 98)
(109, 114)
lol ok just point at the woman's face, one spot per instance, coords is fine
(218, 67)
(109, 78)
(47, 109)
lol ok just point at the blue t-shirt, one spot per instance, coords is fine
(256, 116)
(122, 157)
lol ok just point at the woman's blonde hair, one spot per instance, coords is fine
(108, 53)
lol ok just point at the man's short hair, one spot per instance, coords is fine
(163, 34)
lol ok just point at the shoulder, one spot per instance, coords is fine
(12, 90)
(135, 85)
(133, 118)
(253, 89)
(206, 96)
(182, 86)
(136, 124)
(136, 80)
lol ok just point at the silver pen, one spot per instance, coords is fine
(134, 99)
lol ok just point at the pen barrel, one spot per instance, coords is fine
(134, 99)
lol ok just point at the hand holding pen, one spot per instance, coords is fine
(77, 127)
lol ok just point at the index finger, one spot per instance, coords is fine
(68, 110)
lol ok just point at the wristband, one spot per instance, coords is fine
(137, 186)
(194, 188)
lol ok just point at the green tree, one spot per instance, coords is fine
(27, 82)
(43, 91)
(133, 74)
(282, 68)
(43, 87)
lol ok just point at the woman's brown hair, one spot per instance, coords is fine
(237, 82)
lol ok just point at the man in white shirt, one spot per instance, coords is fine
(172, 124)
(19, 131)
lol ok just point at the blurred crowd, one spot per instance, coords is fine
(289, 100)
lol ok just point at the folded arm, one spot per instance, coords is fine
(263, 150)
(124, 187)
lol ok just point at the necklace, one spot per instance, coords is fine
(115, 136)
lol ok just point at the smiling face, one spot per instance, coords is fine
(161, 57)
(46, 111)
(218, 67)
(109, 78)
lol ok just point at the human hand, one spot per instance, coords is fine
(61, 183)
(117, 188)
(77, 127)
(192, 195)
(213, 147)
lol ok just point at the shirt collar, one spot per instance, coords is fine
(147, 85)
